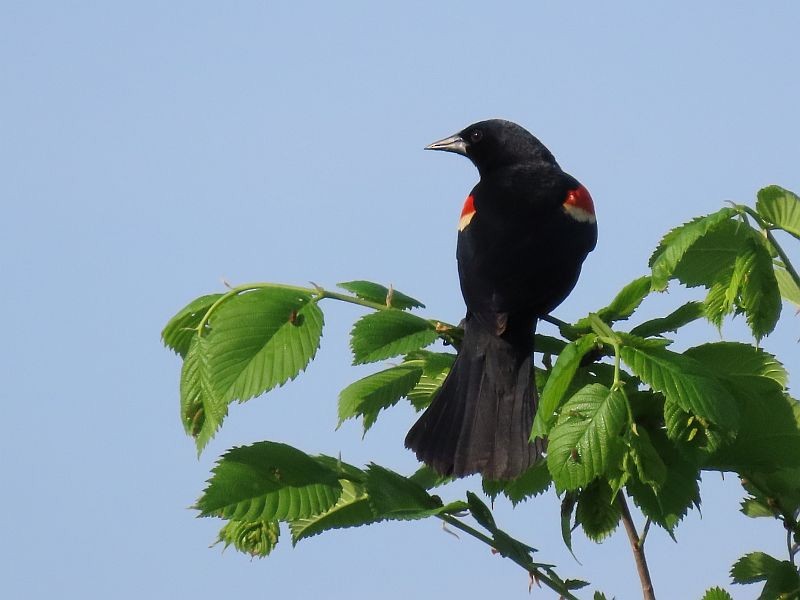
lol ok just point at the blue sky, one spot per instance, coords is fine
(152, 149)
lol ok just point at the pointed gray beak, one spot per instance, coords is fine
(454, 143)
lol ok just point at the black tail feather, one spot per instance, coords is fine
(480, 421)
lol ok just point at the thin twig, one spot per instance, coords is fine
(637, 548)
(529, 566)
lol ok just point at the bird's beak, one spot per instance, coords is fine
(454, 143)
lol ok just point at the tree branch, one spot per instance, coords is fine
(637, 548)
(531, 567)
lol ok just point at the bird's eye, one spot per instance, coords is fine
(475, 136)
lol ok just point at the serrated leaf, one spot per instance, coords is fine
(202, 410)
(375, 292)
(634, 341)
(685, 382)
(695, 435)
(585, 441)
(256, 538)
(753, 567)
(558, 382)
(393, 496)
(780, 207)
(351, 510)
(650, 469)
(760, 296)
(777, 487)
(387, 333)
(735, 359)
(716, 593)
(768, 437)
(733, 262)
(435, 368)
(787, 286)
(679, 491)
(597, 513)
(269, 481)
(575, 584)
(754, 508)
(713, 254)
(368, 396)
(727, 281)
(624, 303)
(536, 480)
(179, 331)
(262, 339)
(677, 242)
(691, 311)
(512, 548)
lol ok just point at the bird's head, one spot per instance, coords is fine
(495, 144)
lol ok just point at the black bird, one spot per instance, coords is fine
(525, 229)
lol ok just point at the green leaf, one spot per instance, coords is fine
(716, 593)
(787, 286)
(546, 344)
(575, 584)
(735, 359)
(679, 491)
(428, 478)
(374, 292)
(536, 480)
(691, 311)
(567, 507)
(387, 333)
(262, 339)
(558, 382)
(727, 276)
(686, 382)
(760, 296)
(393, 496)
(781, 208)
(597, 512)
(480, 512)
(768, 438)
(202, 410)
(753, 567)
(435, 368)
(649, 467)
(713, 254)
(368, 396)
(734, 263)
(179, 331)
(695, 435)
(585, 441)
(256, 538)
(269, 481)
(342, 469)
(754, 508)
(624, 303)
(778, 488)
(677, 242)
(351, 510)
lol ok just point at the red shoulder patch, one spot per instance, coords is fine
(579, 205)
(467, 213)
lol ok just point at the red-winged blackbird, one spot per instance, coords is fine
(525, 229)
